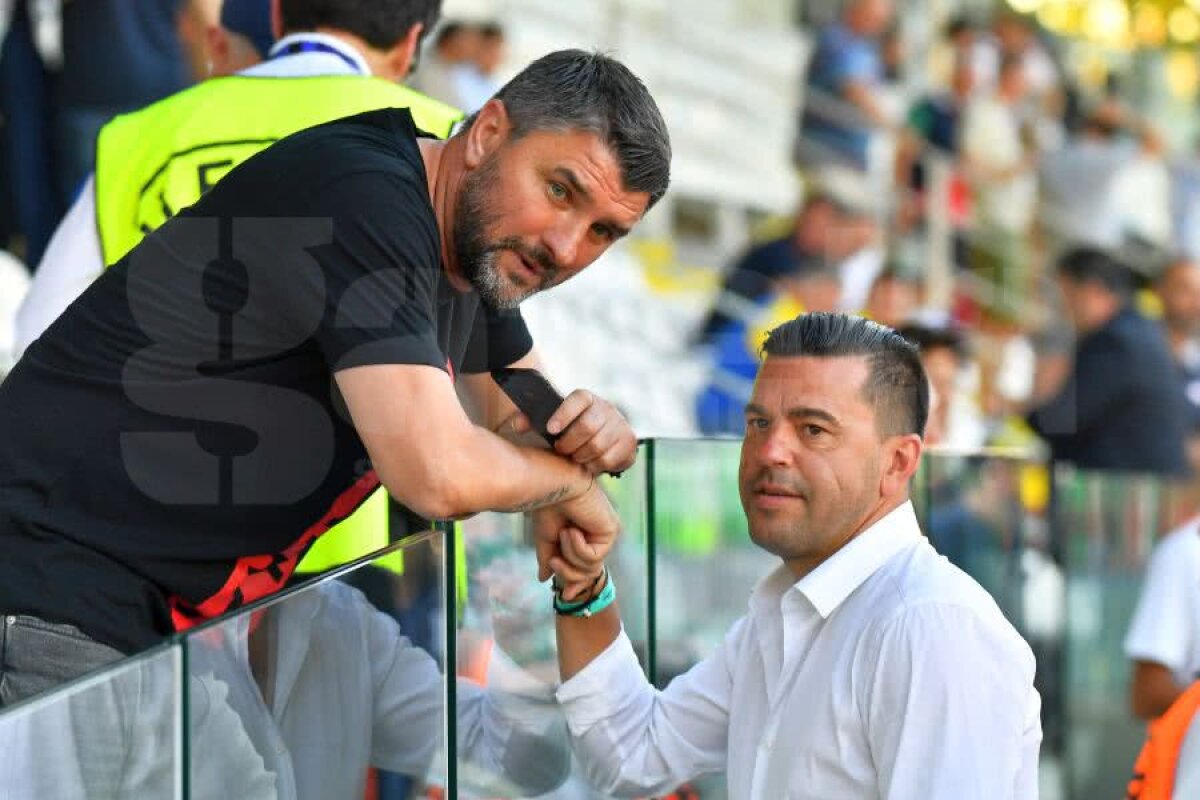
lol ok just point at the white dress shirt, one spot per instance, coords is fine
(884, 673)
(1166, 625)
(73, 257)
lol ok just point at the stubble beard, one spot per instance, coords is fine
(478, 259)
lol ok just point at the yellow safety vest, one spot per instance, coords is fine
(153, 162)
(156, 161)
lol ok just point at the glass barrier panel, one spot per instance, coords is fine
(705, 565)
(511, 737)
(989, 515)
(116, 733)
(630, 495)
(1106, 526)
(332, 688)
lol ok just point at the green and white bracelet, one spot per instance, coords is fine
(587, 608)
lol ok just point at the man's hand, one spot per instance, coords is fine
(594, 433)
(576, 562)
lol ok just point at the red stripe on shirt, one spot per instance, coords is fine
(257, 576)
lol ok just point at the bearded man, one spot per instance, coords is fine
(251, 371)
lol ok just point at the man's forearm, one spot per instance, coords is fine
(489, 473)
(582, 639)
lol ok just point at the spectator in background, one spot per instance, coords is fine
(440, 76)
(1106, 186)
(933, 132)
(1120, 407)
(1017, 39)
(834, 228)
(1163, 642)
(118, 57)
(893, 299)
(1179, 292)
(934, 120)
(842, 104)
(242, 37)
(27, 107)
(1185, 203)
(999, 165)
(954, 417)
(476, 79)
(965, 42)
(720, 407)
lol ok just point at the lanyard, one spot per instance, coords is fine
(317, 47)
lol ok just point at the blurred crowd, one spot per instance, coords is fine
(1036, 238)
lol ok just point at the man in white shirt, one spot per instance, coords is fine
(867, 666)
(1164, 637)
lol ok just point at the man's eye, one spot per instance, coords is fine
(813, 430)
(558, 191)
(757, 423)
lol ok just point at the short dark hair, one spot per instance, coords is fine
(448, 31)
(379, 23)
(573, 90)
(491, 30)
(1092, 265)
(927, 338)
(960, 23)
(896, 387)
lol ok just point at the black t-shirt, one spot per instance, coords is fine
(175, 441)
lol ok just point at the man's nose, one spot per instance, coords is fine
(563, 243)
(774, 446)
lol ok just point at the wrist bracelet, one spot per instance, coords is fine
(587, 608)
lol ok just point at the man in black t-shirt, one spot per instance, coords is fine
(257, 366)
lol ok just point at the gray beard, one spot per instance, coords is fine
(487, 282)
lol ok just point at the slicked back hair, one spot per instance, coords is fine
(379, 23)
(896, 385)
(573, 90)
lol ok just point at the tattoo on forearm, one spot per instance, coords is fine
(549, 499)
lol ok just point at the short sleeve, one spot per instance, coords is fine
(843, 59)
(380, 266)
(499, 338)
(1161, 629)
(856, 64)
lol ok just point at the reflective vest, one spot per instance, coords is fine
(153, 162)
(1154, 772)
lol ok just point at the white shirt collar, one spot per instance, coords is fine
(310, 63)
(847, 569)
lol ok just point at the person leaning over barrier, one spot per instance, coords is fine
(277, 66)
(867, 665)
(265, 359)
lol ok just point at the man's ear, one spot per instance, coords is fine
(216, 46)
(489, 130)
(901, 457)
(403, 54)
